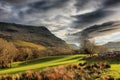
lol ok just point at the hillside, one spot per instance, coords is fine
(35, 34)
(113, 45)
(29, 42)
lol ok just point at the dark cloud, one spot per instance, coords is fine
(15, 1)
(111, 3)
(106, 30)
(100, 30)
(100, 9)
(80, 4)
(86, 19)
(20, 2)
(47, 5)
(100, 4)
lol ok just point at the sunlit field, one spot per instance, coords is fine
(39, 64)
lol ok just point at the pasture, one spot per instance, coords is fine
(51, 61)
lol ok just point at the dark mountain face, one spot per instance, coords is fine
(35, 34)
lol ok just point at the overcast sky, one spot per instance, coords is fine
(70, 20)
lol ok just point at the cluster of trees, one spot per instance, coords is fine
(91, 49)
(9, 52)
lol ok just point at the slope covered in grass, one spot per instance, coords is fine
(29, 44)
(51, 61)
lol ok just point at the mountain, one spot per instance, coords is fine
(113, 45)
(23, 42)
(35, 34)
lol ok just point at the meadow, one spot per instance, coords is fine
(46, 62)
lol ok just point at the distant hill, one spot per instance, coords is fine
(34, 34)
(113, 45)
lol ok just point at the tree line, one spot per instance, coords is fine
(9, 53)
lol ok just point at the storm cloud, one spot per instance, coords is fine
(100, 30)
(67, 19)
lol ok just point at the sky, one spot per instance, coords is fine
(70, 20)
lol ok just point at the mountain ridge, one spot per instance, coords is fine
(36, 34)
(113, 45)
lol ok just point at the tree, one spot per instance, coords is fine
(26, 53)
(7, 53)
(12, 52)
(91, 49)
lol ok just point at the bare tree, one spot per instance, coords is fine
(91, 49)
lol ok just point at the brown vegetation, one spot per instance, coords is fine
(7, 53)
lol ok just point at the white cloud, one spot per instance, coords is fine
(107, 38)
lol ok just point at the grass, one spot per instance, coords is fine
(114, 70)
(38, 64)
(29, 44)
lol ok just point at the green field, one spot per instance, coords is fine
(51, 61)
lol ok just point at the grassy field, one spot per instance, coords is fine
(39, 64)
